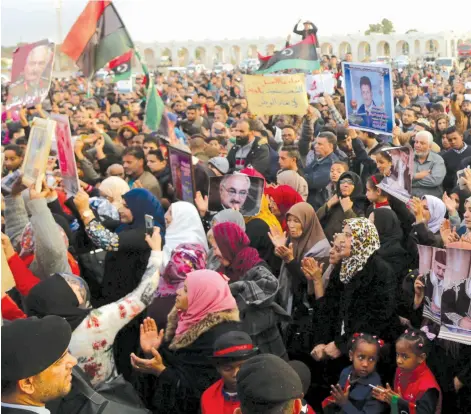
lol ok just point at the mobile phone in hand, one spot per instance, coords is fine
(149, 224)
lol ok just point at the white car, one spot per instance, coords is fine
(446, 62)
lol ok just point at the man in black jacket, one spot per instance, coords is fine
(248, 151)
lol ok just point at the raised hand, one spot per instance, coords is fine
(277, 237)
(155, 242)
(154, 366)
(150, 337)
(201, 203)
(285, 252)
(311, 269)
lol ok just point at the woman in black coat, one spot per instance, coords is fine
(180, 369)
(360, 297)
(347, 202)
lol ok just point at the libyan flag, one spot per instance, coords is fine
(97, 37)
(121, 67)
(302, 55)
(155, 108)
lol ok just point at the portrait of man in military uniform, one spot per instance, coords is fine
(32, 84)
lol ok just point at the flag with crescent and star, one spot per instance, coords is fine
(302, 55)
(121, 67)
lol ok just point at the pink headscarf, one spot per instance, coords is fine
(208, 292)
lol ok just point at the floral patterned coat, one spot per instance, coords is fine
(92, 341)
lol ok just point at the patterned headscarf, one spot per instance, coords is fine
(365, 241)
(186, 258)
(27, 240)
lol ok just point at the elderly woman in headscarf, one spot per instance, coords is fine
(253, 285)
(224, 216)
(305, 238)
(360, 296)
(179, 365)
(281, 199)
(94, 330)
(185, 258)
(429, 215)
(295, 181)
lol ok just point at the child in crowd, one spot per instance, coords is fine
(377, 197)
(415, 387)
(354, 392)
(305, 375)
(231, 350)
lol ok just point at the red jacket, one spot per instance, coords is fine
(213, 401)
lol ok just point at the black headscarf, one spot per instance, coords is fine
(388, 226)
(54, 296)
(358, 190)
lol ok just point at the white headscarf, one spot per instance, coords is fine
(437, 210)
(186, 227)
(114, 188)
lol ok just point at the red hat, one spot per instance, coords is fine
(131, 126)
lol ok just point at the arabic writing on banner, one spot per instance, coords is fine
(273, 95)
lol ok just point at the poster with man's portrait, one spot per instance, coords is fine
(369, 97)
(399, 181)
(434, 281)
(66, 155)
(456, 297)
(31, 74)
(37, 152)
(236, 191)
(183, 179)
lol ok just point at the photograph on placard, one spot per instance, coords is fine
(37, 152)
(399, 181)
(183, 179)
(31, 74)
(369, 97)
(434, 281)
(236, 191)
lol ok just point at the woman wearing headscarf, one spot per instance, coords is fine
(281, 198)
(348, 202)
(185, 258)
(183, 225)
(179, 366)
(305, 239)
(224, 216)
(253, 285)
(295, 181)
(94, 330)
(360, 296)
(429, 215)
(127, 257)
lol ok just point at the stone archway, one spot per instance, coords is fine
(253, 52)
(364, 51)
(383, 49)
(402, 48)
(236, 55)
(200, 55)
(453, 48)
(149, 58)
(183, 56)
(166, 56)
(270, 49)
(432, 46)
(344, 48)
(218, 56)
(417, 51)
(327, 49)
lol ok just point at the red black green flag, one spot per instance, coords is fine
(97, 37)
(121, 67)
(302, 55)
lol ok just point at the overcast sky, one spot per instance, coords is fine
(154, 20)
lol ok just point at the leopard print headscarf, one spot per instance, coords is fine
(365, 241)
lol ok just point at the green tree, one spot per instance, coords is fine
(385, 27)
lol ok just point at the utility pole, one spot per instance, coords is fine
(58, 60)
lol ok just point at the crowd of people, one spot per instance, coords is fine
(314, 304)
